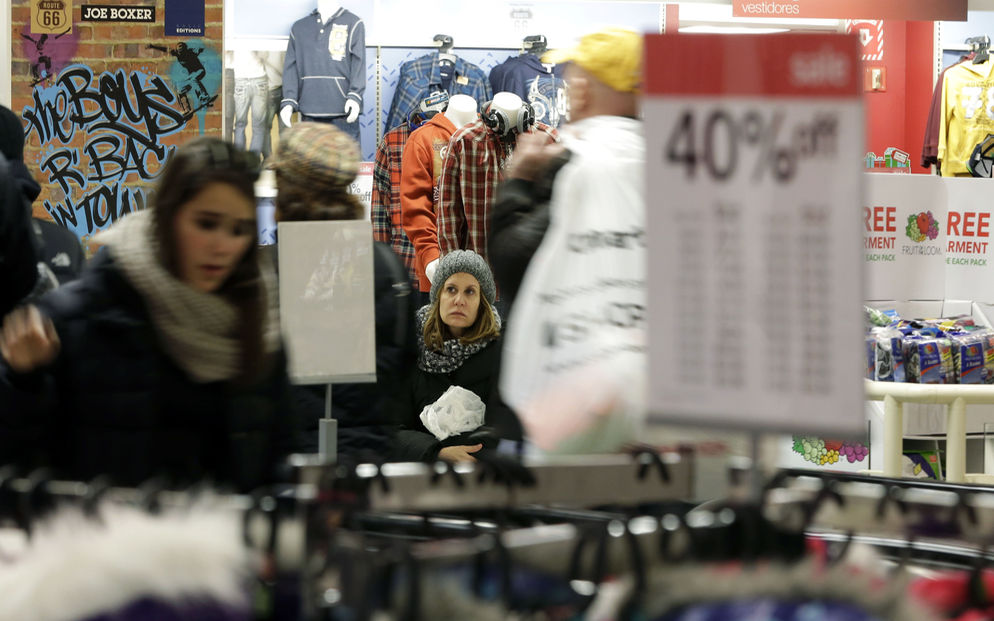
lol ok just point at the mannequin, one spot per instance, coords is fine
(510, 105)
(461, 110)
(325, 10)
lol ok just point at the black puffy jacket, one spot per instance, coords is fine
(114, 403)
(479, 373)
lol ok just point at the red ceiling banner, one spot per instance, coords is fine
(915, 10)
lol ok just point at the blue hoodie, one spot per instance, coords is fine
(325, 64)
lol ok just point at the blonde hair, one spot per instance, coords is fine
(485, 327)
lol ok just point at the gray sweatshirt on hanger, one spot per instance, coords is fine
(325, 64)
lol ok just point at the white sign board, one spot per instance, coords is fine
(968, 251)
(902, 261)
(755, 197)
(326, 301)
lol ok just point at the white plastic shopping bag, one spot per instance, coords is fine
(457, 411)
(574, 363)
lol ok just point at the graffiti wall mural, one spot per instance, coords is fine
(104, 106)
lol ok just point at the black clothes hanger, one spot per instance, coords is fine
(535, 44)
(443, 42)
(979, 45)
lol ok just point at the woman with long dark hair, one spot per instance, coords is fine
(164, 358)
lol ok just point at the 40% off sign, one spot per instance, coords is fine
(723, 143)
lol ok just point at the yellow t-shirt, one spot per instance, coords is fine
(967, 114)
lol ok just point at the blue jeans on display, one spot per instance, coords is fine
(352, 129)
(273, 111)
(229, 104)
(251, 93)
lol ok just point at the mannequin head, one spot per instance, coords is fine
(509, 107)
(461, 110)
(327, 9)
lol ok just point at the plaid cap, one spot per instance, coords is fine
(317, 154)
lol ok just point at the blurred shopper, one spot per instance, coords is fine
(18, 256)
(459, 345)
(164, 358)
(60, 254)
(567, 242)
(314, 164)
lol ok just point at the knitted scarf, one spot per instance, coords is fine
(453, 353)
(198, 330)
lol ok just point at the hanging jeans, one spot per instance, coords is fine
(251, 93)
(275, 97)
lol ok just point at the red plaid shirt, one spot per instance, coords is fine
(473, 168)
(385, 211)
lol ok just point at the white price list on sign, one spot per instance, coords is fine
(754, 204)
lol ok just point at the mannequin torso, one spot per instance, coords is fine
(461, 110)
(326, 10)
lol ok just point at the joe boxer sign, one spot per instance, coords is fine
(108, 13)
(924, 10)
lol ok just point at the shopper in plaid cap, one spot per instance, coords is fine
(314, 164)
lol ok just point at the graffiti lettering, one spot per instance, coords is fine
(102, 206)
(123, 118)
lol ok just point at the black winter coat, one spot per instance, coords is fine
(479, 374)
(114, 403)
(18, 253)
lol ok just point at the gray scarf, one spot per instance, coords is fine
(453, 353)
(199, 331)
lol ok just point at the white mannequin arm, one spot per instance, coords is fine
(286, 112)
(352, 110)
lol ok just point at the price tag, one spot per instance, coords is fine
(755, 197)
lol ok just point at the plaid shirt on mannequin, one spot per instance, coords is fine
(473, 168)
(385, 212)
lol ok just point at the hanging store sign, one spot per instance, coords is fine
(755, 271)
(923, 10)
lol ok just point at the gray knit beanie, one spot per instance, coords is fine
(469, 262)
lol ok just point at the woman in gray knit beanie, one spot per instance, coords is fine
(458, 346)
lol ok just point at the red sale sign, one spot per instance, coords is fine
(755, 217)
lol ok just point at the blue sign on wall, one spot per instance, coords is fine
(184, 18)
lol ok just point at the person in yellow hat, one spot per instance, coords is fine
(568, 227)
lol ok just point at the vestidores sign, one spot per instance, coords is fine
(108, 13)
(755, 271)
(922, 10)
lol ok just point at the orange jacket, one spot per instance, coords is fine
(420, 168)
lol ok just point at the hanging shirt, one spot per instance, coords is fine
(420, 171)
(930, 144)
(422, 76)
(967, 115)
(385, 210)
(325, 64)
(471, 170)
(538, 83)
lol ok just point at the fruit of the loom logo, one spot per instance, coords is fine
(922, 226)
(823, 452)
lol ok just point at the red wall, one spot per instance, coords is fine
(896, 116)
